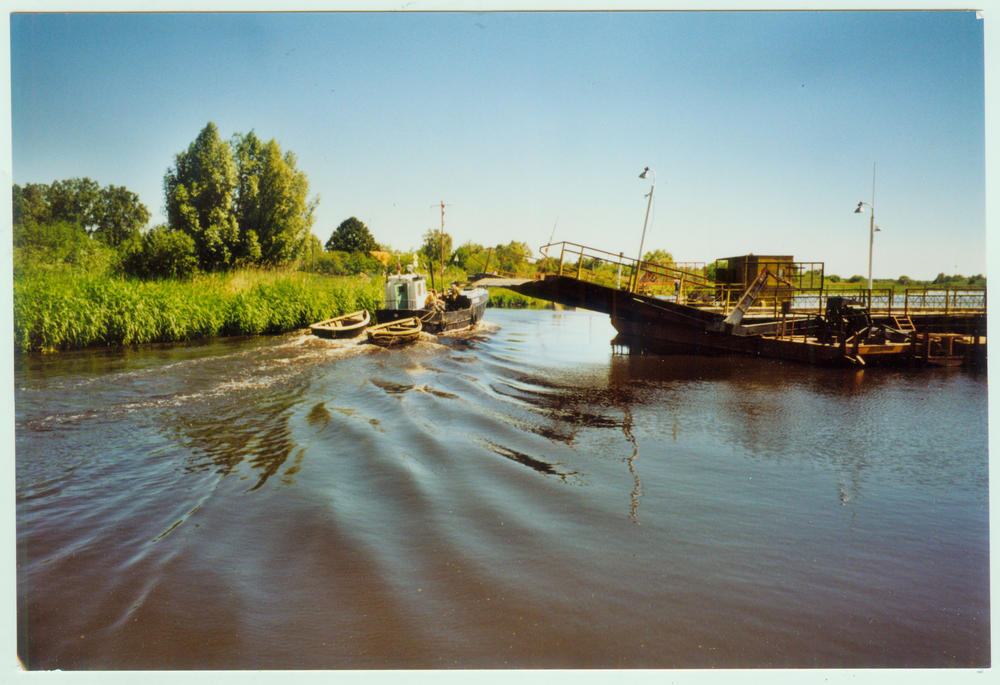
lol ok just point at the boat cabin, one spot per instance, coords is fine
(743, 271)
(405, 291)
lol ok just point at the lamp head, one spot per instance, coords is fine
(860, 209)
(645, 173)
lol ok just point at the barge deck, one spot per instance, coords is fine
(694, 321)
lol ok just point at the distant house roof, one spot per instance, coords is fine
(383, 257)
(758, 258)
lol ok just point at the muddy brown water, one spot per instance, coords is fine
(518, 497)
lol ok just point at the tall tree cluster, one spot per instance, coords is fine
(113, 214)
(241, 201)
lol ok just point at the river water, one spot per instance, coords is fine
(516, 497)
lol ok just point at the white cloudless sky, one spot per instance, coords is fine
(762, 127)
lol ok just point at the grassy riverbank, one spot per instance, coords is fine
(67, 311)
(501, 298)
(64, 309)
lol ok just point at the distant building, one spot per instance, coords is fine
(740, 272)
(383, 257)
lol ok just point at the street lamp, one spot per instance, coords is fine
(873, 229)
(871, 232)
(645, 174)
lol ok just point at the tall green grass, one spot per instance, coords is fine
(59, 311)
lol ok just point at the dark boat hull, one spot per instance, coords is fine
(663, 327)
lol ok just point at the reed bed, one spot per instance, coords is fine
(69, 311)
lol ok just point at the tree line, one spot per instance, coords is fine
(229, 203)
(240, 202)
(352, 248)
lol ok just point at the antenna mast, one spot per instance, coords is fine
(443, 205)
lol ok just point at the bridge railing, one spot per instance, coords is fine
(878, 301)
(620, 272)
(686, 283)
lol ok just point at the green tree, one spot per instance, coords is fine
(659, 256)
(248, 156)
(17, 204)
(351, 236)
(113, 214)
(431, 249)
(312, 249)
(512, 256)
(272, 206)
(199, 191)
(470, 256)
(75, 201)
(119, 216)
(72, 201)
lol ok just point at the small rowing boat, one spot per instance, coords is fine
(346, 326)
(391, 333)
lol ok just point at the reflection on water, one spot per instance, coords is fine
(526, 460)
(514, 497)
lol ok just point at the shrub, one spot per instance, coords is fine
(58, 247)
(161, 253)
(347, 264)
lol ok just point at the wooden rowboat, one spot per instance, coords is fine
(393, 333)
(346, 326)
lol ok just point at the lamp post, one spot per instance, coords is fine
(871, 232)
(645, 174)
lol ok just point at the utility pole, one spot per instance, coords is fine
(443, 205)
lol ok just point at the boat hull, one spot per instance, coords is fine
(649, 324)
(663, 338)
(395, 333)
(435, 321)
(347, 326)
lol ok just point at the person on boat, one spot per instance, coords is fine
(434, 302)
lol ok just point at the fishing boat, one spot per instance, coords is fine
(393, 333)
(346, 326)
(406, 295)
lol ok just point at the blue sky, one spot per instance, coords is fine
(762, 127)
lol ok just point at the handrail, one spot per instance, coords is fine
(591, 259)
(627, 273)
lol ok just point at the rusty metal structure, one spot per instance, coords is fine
(771, 306)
